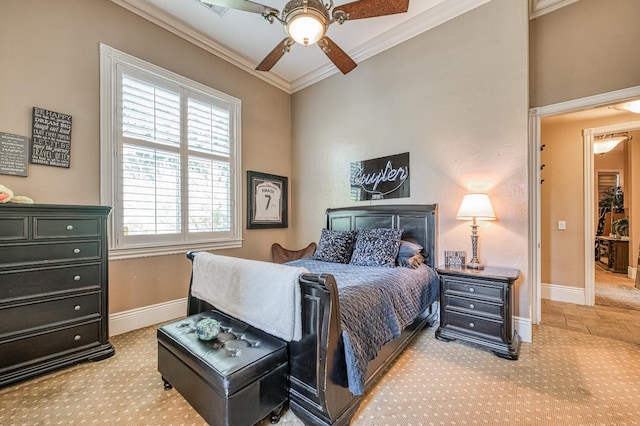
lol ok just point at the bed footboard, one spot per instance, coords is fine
(319, 393)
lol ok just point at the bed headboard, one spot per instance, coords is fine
(418, 222)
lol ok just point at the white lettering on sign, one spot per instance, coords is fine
(389, 174)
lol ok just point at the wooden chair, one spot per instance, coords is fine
(282, 255)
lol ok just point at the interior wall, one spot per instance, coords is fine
(583, 49)
(633, 185)
(50, 59)
(455, 98)
(562, 197)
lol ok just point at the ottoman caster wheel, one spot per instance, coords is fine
(167, 385)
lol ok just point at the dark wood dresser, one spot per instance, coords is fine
(53, 288)
(477, 306)
(613, 254)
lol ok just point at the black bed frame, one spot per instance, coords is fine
(319, 393)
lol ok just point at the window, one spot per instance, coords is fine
(170, 152)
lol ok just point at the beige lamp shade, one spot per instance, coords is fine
(476, 206)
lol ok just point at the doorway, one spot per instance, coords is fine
(575, 294)
(616, 178)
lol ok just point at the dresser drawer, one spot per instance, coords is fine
(475, 289)
(16, 283)
(47, 227)
(488, 329)
(26, 316)
(474, 306)
(49, 252)
(17, 352)
(14, 228)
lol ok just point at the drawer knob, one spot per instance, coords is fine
(472, 306)
(76, 251)
(77, 337)
(77, 308)
(69, 227)
(471, 325)
(76, 278)
(472, 290)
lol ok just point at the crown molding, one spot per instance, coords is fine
(164, 20)
(441, 12)
(430, 18)
(542, 7)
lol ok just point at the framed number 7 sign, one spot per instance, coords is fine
(266, 201)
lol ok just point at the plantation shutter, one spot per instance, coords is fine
(176, 177)
(208, 130)
(151, 175)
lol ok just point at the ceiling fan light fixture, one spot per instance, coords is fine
(306, 29)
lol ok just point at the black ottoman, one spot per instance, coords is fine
(236, 379)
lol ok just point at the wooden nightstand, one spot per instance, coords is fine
(477, 306)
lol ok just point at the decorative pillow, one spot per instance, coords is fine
(409, 248)
(376, 247)
(335, 246)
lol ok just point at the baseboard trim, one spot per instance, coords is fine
(562, 293)
(122, 322)
(523, 326)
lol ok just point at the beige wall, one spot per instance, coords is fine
(50, 59)
(562, 196)
(586, 48)
(454, 97)
(633, 187)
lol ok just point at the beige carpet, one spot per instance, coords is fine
(563, 378)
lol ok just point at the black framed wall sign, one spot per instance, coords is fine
(267, 205)
(380, 178)
(51, 138)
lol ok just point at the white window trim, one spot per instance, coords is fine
(109, 58)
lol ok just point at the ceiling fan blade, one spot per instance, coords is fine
(371, 8)
(338, 56)
(245, 5)
(274, 56)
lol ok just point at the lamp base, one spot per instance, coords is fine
(474, 265)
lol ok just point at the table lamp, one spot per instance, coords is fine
(475, 207)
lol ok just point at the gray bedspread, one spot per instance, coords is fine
(376, 304)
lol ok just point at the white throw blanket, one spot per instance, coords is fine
(264, 295)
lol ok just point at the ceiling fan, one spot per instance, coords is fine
(306, 23)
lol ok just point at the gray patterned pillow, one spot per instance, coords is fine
(335, 246)
(376, 247)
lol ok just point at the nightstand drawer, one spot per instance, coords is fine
(49, 252)
(17, 284)
(35, 348)
(472, 288)
(65, 227)
(23, 317)
(474, 306)
(488, 329)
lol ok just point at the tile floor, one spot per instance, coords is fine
(616, 322)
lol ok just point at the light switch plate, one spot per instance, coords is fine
(562, 225)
